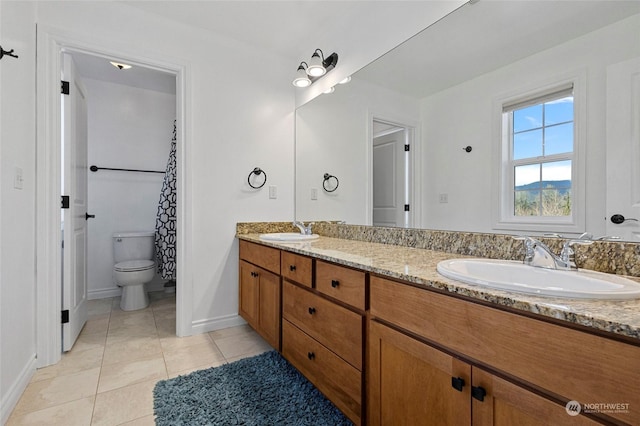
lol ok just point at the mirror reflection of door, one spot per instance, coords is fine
(623, 149)
(391, 174)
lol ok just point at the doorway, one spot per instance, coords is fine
(392, 172)
(130, 117)
(51, 45)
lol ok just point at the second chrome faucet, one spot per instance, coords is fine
(539, 255)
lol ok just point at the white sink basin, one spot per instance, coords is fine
(288, 237)
(518, 277)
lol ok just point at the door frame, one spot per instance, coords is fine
(415, 163)
(50, 43)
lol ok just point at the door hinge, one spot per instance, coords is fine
(64, 87)
(406, 207)
(65, 202)
(407, 147)
(65, 316)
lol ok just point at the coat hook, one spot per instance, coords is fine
(7, 53)
(467, 148)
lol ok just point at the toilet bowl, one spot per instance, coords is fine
(132, 275)
(134, 267)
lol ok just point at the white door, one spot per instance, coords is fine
(389, 164)
(74, 185)
(623, 149)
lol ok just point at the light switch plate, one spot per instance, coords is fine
(273, 192)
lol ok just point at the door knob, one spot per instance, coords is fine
(88, 216)
(618, 219)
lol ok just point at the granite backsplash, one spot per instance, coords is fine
(614, 257)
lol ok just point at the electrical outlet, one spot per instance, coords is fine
(273, 192)
(444, 198)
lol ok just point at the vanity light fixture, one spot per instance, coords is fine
(329, 90)
(120, 66)
(302, 80)
(345, 80)
(317, 67)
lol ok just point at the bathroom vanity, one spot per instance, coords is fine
(390, 341)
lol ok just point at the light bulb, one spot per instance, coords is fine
(316, 69)
(301, 79)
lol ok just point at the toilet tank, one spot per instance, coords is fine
(133, 246)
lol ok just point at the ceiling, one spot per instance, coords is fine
(289, 29)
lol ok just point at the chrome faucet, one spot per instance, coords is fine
(304, 230)
(537, 253)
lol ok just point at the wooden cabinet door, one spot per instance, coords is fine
(410, 383)
(249, 293)
(506, 404)
(269, 307)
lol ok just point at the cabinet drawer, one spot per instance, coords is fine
(263, 256)
(336, 327)
(344, 284)
(571, 363)
(339, 381)
(297, 268)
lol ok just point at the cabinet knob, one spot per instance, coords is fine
(478, 392)
(292, 268)
(312, 311)
(457, 383)
(311, 355)
(335, 283)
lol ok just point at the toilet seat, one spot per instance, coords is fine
(134, 265)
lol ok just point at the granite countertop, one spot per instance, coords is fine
(418, 266)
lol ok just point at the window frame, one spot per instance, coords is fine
(504, 194)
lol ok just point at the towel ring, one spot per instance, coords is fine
(257, 171)
(327, 176)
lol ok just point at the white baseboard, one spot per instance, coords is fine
(212, 324)
(13, 394)
(104, 293)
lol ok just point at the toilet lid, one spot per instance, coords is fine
(134, 265)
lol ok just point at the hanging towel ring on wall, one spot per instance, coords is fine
(7, 53)
(257, 171)
(327, 177)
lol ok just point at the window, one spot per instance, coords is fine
(538, 185)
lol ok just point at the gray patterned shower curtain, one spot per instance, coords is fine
(166, 218)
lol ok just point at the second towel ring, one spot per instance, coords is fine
(327, 177)
(257, 171)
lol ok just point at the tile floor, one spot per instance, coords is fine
(109, 375)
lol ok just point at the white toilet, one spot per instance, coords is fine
(134, 267)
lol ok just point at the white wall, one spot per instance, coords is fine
(128, 128)
(17, 209)
(330, 132)
(468, 178)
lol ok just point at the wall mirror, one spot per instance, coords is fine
(412, 137)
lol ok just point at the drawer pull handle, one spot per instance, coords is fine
(457, 383)
(335, 283)
(478, 392)
(311, 355)
(292, 268)
(312, 311)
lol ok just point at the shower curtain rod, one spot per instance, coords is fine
(96, 168)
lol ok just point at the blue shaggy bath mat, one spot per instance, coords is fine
(262, 390)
